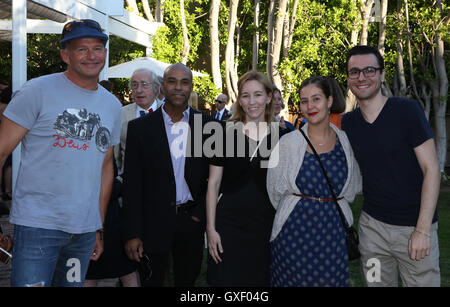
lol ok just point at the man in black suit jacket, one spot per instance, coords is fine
(221, 112)
(164, 190)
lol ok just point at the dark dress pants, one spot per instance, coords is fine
(187, 254)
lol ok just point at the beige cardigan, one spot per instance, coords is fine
(281, 176)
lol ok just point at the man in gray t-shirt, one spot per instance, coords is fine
(68, 126)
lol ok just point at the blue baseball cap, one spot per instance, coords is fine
(85, 28)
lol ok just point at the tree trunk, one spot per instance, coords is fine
(147, 11)
(355, 29)
(365, 14)
(410, 62)
(286, 34)
(133, 6)
(381, 40)
(350, 99)
(396, 83)
(400, 66)
(292, 24)
(382, 26)
(386, 90)
(236, 55)
(427, 97)
(256, 36)
(186, 46)
(270, 35)
(159, 11)
(440, 98)
(229, 52)
(215, 44)
(278, 43)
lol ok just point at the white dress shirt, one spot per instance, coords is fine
(153, 107)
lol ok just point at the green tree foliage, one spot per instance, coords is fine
(5, 60)
(43, 57)
(168, 42)
(320, 41)
(425, 23)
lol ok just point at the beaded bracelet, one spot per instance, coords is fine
(422, 233)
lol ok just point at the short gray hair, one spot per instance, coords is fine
(155, 81)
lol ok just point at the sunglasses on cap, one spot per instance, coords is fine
(73, 25)
(84, 28)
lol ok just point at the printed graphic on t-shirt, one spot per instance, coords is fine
(80, 125)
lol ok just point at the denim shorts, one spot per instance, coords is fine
(45, 257)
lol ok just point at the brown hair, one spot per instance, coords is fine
(330, 87)
(239, 113)
(339, 103)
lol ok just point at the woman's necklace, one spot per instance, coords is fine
(325, 140)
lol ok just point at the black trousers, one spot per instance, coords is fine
(186, 252)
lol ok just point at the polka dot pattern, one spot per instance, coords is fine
(310, 249)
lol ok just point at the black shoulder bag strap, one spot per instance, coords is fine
(351, 236)
(341, 214)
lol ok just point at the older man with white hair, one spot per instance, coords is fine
(144, 87)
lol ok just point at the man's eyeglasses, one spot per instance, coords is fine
(368, 72)
(135, 85)
(75, 24)
(219, 101)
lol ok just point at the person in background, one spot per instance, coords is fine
(278, 106)
(113, 263)
(144, 86)
(121, 98)
(6, 172)
(221, 112)
(338, 102)
(68, 125)
(164, 188)
(239, 214)
(299, 121)
(108, 85)
(394, 145)
(193, 100)
(160, 96)
(308, 238)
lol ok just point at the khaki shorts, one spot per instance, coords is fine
(384, 255)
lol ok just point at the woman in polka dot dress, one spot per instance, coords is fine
(308, 238)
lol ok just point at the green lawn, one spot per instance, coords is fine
(444, 243)
(444, 236)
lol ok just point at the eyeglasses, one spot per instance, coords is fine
(135, 85)
(75, 24)
(368, 72)
(219, 101)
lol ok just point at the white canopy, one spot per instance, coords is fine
(125, 70)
